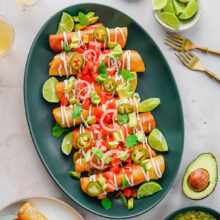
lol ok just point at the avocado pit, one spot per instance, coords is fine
(198, 180)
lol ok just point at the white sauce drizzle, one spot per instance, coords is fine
(128, 55)
(116, 33)
(130, 183)
(92, 177)
(63, 58)
(152, 159)
(116, 186)
(67, 121)
(90, 110)
(146, 175)
(149, 127)
(62, 114)
(59, 70)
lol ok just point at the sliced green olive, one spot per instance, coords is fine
(138, 155)
(109, 85)
(93, 189)
(100, 33)
(76, 61)
(83, 140)
(125, 108)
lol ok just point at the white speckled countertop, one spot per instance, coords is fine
(21, 172)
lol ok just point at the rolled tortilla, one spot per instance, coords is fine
(60, 87)
(29, 212)
(63, 114)
(145, 121)
(81, 165)
(60, 65)
(118, 35)
(138, 174)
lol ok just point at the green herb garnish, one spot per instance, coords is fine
(127, 75)
(131, 141)
(57, 130)
(106, 203)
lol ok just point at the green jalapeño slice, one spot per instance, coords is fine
(93, 189)
(100, 33)
(83, 140)
(125, 108)
(109, 85)
(138, 155)
(76, 61)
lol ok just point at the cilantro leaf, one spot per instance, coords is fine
(124, 183)
(83, 19)
(77, 111)
(123, 119)
(102, 70)
(127, 75)
(57, 130)
(66, 47)
(131, 141)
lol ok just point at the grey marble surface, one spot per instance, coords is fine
(21, 172)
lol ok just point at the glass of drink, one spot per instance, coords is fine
(27, 2)
(6, 35)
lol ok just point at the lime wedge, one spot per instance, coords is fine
(159, 4)
(179, 7)
(67, 144)
(169, 7)
(190, 10)
(169, 19)
(66, 23)
(49, 92)
(148, 105)
(157, 141)
(147, 189)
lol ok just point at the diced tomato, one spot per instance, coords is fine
(102, 196)
(108, 118)
(64, 101)
(95, 128)
(127, 192)
(95, 46)
(98, 114)
(105, 143)
(85, 70)
(115, 161)
(111, 71)
(86, 77)
(127, 166)
(92, 26)
(79, 50)
(87, 104)
(110, 187)
(108, 175)
(115, 168)
(111, 105)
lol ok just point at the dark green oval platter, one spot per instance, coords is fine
(157, 81)
(194, 208)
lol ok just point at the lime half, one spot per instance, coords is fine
(157, 141)
(170, 19)
(49, 92)
(147, 189)
(190, 10)
(67, 144)
(66, 23)
(159, 4)
(148, 105)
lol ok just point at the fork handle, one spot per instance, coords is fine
(206, 50)
(212, 75)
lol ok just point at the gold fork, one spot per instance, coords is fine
(181, 43)
(193, 62)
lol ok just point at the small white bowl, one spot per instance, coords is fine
(183, 26)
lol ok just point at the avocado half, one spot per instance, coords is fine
(207, 162)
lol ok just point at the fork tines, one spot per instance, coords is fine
(174, 41)
(185, 57)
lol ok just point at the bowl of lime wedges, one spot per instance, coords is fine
(177, 15)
